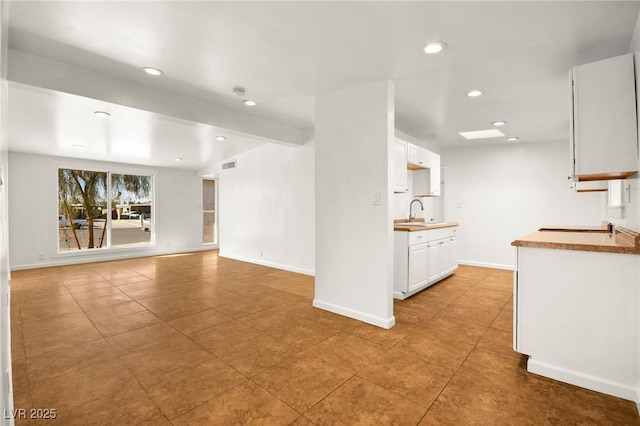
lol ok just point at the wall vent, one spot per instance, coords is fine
(229, 165)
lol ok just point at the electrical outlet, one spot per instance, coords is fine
(41, 256)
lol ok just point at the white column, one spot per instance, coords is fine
(354, 221)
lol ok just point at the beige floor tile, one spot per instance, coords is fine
(219, 337)
(302, 381)
(173, 306)
(143, 338)
(193, 323)
(60, 339)
(68, 359)
(359, 402)
(573, 405)
(447, 353)
(110, 326)
(348, 352)
(102, 394)
(158, 360)
(415, 379)
(247, 403)
(192, 384)
(115, 311)
(499, 341)
(256, 355)
(236, 343)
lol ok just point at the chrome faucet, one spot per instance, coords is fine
(412, 216)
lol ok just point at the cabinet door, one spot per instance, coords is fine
(604, 129)
(426, 182)
(435, 260)
(434, 174)
(418, 265)
(416, 157)
(400, 166)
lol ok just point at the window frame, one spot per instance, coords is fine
(109, 169)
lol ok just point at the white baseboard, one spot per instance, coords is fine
(104, 257)
(351, 313)
(486, 265)
(583, 380)
(267, 263)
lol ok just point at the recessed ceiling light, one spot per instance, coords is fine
(499, 123)
(249, 102)
(177, 159)
(474, 93)
(220, 138)
(435, 47)
(102, 113)
(152, 71)
(513, 138)
(482, 134)
(78, 146)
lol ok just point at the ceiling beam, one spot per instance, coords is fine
(37, 71)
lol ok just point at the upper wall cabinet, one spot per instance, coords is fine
(604, 131)
(400, 181)
(417, 157)
(426, 182)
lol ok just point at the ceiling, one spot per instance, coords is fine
(69, 59)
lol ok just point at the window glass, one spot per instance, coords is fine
(98, 209)
(130, 209)
(208, 211)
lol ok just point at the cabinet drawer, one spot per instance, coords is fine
(418, 237)
(453, 231)
(438, 233)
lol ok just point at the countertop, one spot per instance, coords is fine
(605, 227)
(409, 228)
(622, 241)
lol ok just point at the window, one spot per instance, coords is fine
(102, 209)
(208, 211)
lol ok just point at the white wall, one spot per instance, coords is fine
(6, 388)
(33, 211)
(354, 245)
(266, 207)
(499, 193)
(633, 212)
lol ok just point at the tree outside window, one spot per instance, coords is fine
(98, 209)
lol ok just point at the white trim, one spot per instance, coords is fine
(583, 380)
(361, 316)
(486, 265)
(269, 264)
(109, 255)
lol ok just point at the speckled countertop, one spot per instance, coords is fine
(621, 241)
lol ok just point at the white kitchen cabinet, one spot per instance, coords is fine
(435, 260)
(422, 258)
(400, 155)
(417, 157)
(603, 129)
(418, 266)
(576, 317)
(426, 182)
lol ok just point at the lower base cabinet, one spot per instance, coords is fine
(422, 258)
(576, 315)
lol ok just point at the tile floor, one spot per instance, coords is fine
(197, 339)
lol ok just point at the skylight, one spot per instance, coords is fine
(482, 134)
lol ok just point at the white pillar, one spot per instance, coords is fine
(354, 220)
